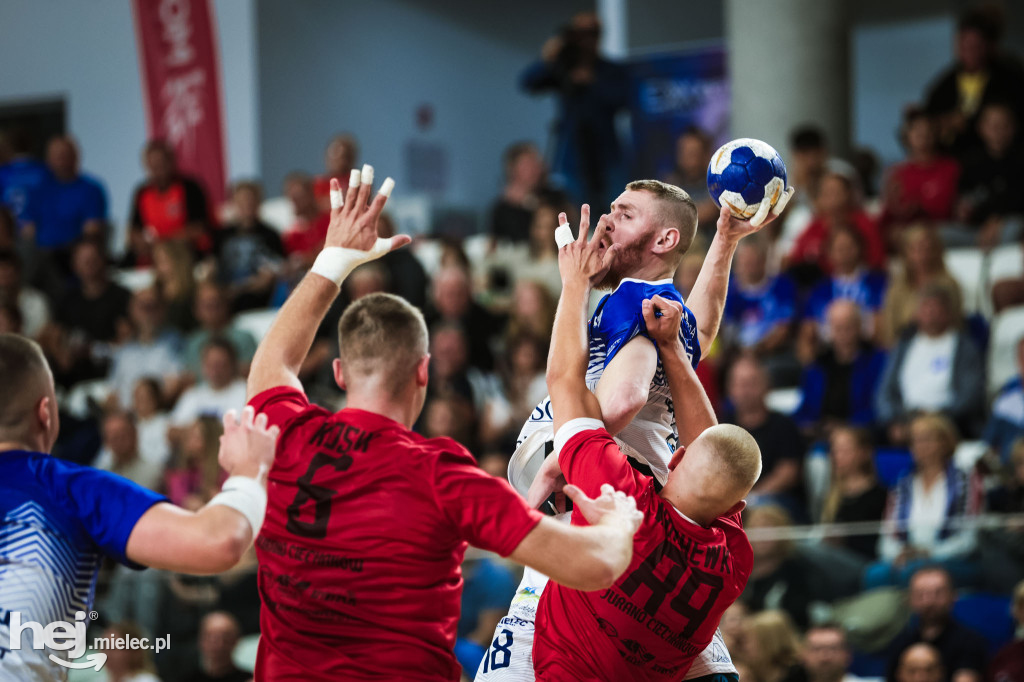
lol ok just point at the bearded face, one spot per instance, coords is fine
(626, 263)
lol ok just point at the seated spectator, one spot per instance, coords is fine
(923, 663)
(1006, 420)
(962, 651)
(693, 155)
(450, 373)
(340, 157)
(542, 264)
(151, 350)
(837, 205)
(406, 276)
(921, 265)
(194, 476)
(928, 509)
(980, 74)
(808, 154)
(934, 367)
(214, 315)
(70, 205)
(121, 454)
(840, 385)
(248, 251)
(127, 664)
(924, 186)
(90, 317)
(11, 321)
(32, 304)
(21, 176)
(772, 648)
(167, 205)
(733, 628)
(452, 416)
(760, 310)
(782, 575)
(1002, 549)
(521, 388)
(304, 239)
(512, 213)
(532, 311)
(826, 655)
(218, 636)
(151, 421)
(220, 390)
(1008, 663)
(452, 301)
(175, 282)
(855, 494)
(777, 436)
(992, 183)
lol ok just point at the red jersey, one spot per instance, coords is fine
(167, 211)
(664, 610)
(307, 240)
(812, 244)
(360, 553)
(923, 191)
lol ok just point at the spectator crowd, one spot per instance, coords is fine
(884, 387)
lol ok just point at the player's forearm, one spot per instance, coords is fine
(282, 351)
(693, 409)
(707, 300)
(593, 557)
(567, 359)
(170, 538)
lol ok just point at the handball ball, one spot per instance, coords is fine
(742, 173)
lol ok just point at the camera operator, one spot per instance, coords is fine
(591, 90)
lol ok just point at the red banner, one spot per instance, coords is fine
(181, 84)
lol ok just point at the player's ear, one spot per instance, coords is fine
(667, 241)
(423, 370)
(44, 415)
(339, 378)
(677, 457)
(736, 508)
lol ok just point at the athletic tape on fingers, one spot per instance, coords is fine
(337, 199)
(387, 186)
(367, 174)
(780, 205)
(353, 178)
(563, 235)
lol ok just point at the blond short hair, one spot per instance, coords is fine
(677, 209)
(381, 334)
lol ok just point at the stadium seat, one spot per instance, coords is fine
(784, 400)
(1005, 262)
(967, 267)
(278, 213)
(134, 279)
(968, 453)
(891, 464)
(256, 322)
(988, 615)
(1007, 330)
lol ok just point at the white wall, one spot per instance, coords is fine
(891, 66)
(365, 67)
(85, 52)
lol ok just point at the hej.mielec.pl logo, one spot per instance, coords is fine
(70, 637)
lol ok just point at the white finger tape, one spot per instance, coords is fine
(367, 174)
(563, 235)
(387, 186)
(337, 200)
(353, 178)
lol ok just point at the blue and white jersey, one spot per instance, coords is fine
(57, 521)
(652, 435)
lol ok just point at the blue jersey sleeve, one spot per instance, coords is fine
(107, 505)
(619, 318)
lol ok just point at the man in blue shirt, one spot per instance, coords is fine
(58, 520)
(21, 177)
(1006, 422)
(69, 204)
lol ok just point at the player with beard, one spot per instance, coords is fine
(651, 224)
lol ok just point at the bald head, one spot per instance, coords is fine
(28, 413)
(844, 323)
(920, 663)
(717, 470)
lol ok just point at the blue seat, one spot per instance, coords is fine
(892, 464)
(988, 615)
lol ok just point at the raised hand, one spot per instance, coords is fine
(663, 318)
(583, 260)
(247, 446)
(610, 507)
(769, 209)
(354, 219)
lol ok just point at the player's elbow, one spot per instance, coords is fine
(226, 548)
(622, 405)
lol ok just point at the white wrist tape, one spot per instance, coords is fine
(563, 235)
(335, 262)
(246, 496)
